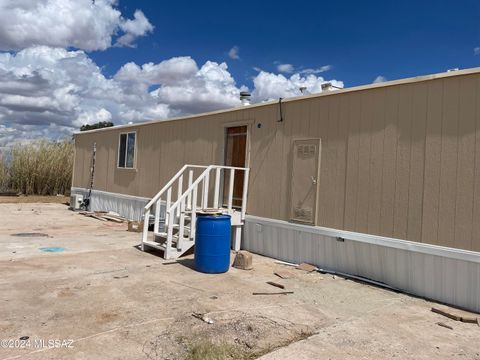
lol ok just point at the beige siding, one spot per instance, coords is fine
(417, 161)
(476, 179)
(390, 161)
(401, 161)
(431, 182)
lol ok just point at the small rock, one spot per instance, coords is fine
(243, 260)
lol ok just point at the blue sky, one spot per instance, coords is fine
(65, 63)
(360, 39)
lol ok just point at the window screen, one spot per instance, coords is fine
(130, 150)
(126, 151)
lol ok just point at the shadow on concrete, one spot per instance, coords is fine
(189, 263)
(150, 250)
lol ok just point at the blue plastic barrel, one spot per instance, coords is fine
(212, 243)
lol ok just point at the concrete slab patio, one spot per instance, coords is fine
(105, 299)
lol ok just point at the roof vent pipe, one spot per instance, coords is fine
(328, 86)
(245, 97)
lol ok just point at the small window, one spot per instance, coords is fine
(126, 151)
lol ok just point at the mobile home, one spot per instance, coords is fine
(381, 181)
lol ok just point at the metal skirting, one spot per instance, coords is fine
(447, 275)
(131, 207)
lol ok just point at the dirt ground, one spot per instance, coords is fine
(80, 288)
(22, 199)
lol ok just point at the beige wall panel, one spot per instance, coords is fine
(402, 176)
(466, 157)
(285, 129)
(285, 165)
(301, 113)
(102, 159)
(433, 145)
(261, 141)
(79, 163)
(448, 164)
(417, 162)
(328, 171)
(269, 163)
(364, 153)
(113, 140)
(147, 161)
(79, 154)
(353, 143)
(376, 161)
(278, 167)
(216, 146)
(476, 191)
(172, 154)
(319, 121)
(298, 117)
(297, 128)
(389, 170)
(340, 144)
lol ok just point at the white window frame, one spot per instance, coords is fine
(134, 167)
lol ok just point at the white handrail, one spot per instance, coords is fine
(203, 175)
(170, 183)
(157, 201)
(194, 184)
(175, 212)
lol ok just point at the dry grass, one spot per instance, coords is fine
(42, 168)
(208, 350)
(34, 199)
(3, 174)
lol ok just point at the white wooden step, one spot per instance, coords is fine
(177, 226)
(164, 235)
(155, 245)
(160, 234)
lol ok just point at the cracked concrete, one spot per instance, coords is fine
(116, 302)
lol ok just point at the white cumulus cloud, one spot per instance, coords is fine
(289, 69)
(139, 26)
(42, 86)
(92, 117)
(82, 24)
(212, 87)
(51, 92)
(233, 53)
(285, 68)
(321, 69)
(167, 72)
(268, 86)
(379, 79)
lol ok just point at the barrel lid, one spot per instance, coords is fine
(214, 216)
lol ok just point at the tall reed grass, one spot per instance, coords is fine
(41, 168)
(3, 174)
